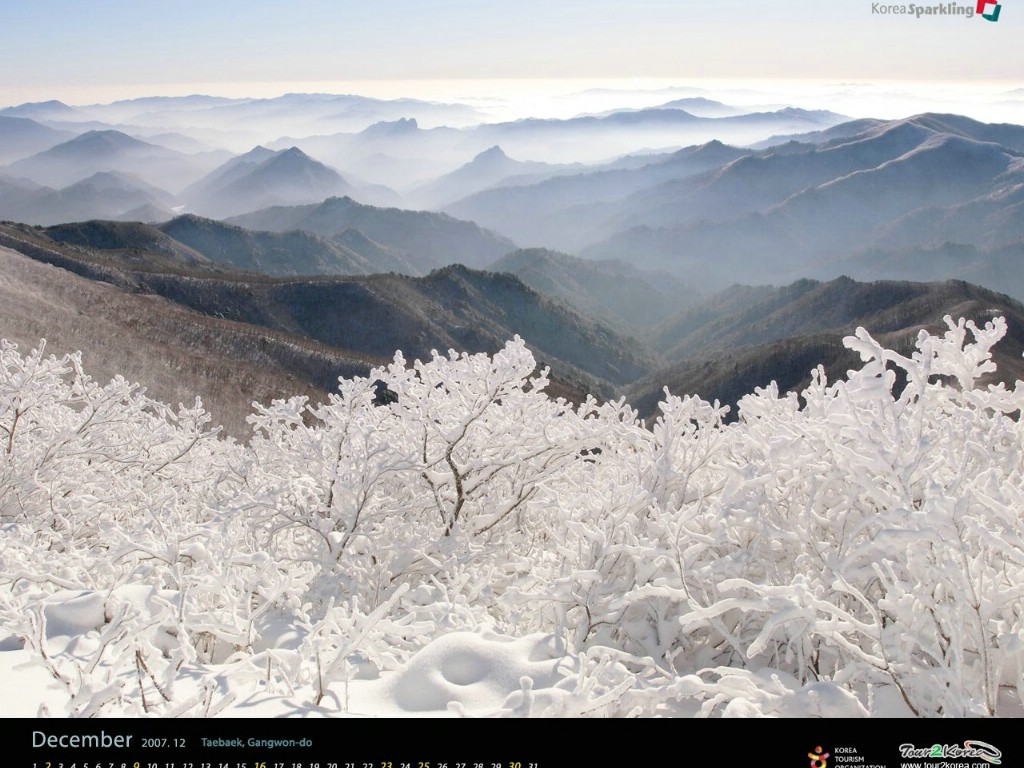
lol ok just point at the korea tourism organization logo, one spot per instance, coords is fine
(819, 758)
(848, 756)
(984, 9)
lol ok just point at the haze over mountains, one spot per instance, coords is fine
(692, 243)
(109, 150)
(775, 194)
(179, 142)
(790, 210)
(430, 239)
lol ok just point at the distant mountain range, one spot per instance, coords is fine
(287, 177)
(401, 154)
(570, 210)
(614, 291)
(490, 168)
(363, 319)
(264, 178)
(105, 151)
(221, 245)
(401, 143)
(427, 240)
(720, 348)
(300, 260)
(242, 122)
(870, 198)
(284, 253)
(21, 137)
(104, 195)
(785, 213)
(821, 207)
(745, 337)
(257, 179)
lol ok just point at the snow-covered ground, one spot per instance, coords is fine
(468, 673)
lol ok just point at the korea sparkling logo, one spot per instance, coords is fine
(988, 10)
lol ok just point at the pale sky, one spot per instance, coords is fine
(85, 51)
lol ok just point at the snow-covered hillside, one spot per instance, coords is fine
(444, 538)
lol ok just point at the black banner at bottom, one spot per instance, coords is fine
(463, 743)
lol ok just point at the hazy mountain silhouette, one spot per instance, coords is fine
(784, 212)
(426, 240)
(404, 155)
(996, 268)
(227, 173)
(102, 195)
(614, 291)
(279, 253)
(262, 178)
(570, 211)
(21, 137)
(653, 120)
(702, 107)
(41, 110)
(489, 168)
(12, 191)
(107, 151)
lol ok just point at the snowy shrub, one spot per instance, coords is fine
(856, 543)
(872, 538)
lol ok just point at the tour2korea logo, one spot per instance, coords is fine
(988, 10)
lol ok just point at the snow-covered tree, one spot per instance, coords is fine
(854, 542)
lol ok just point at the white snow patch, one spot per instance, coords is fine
(478, 671)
